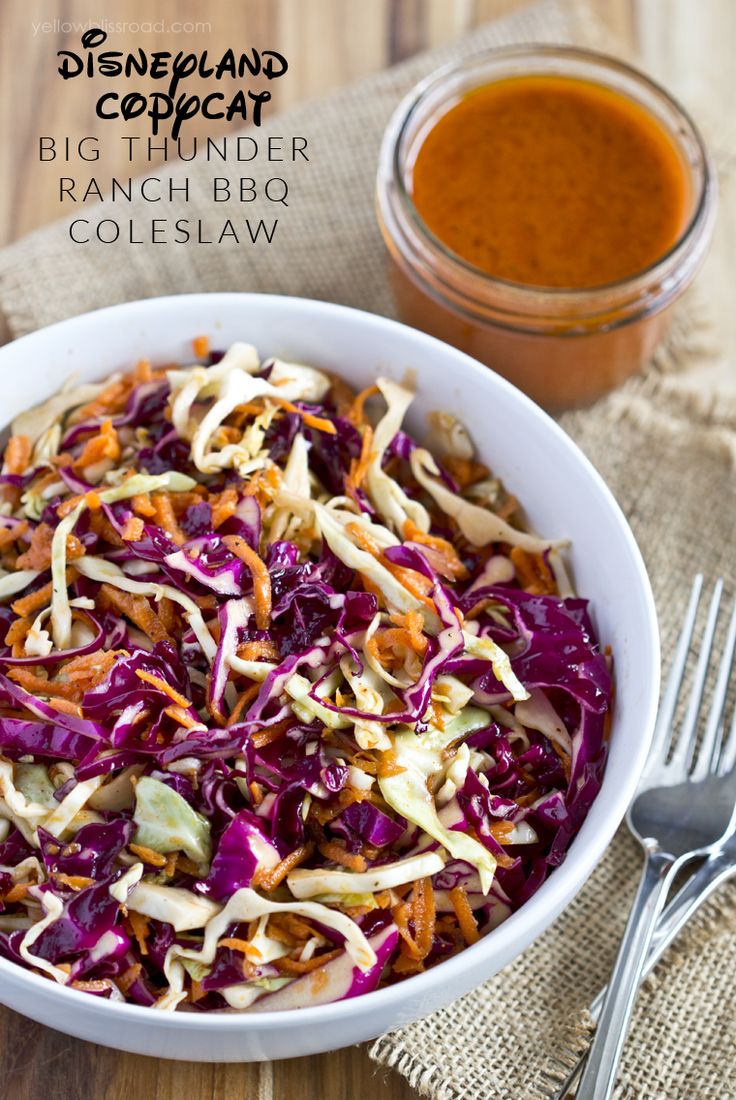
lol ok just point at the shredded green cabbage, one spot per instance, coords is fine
(424, 758)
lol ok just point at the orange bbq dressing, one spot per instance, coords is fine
(552, 181)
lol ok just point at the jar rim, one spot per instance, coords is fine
(391, 170)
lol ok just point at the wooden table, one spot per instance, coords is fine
(689, 46)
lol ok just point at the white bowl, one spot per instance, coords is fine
(563, 496)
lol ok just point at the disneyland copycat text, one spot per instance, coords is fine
(252, 202)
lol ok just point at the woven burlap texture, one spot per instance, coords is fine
(668, 456)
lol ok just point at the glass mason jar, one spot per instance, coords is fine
(563, 347)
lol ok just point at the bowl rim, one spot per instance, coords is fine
(560, 887)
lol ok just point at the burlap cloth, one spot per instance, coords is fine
(668, 455)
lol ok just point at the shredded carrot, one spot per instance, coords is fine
(137, 609)
(64, 706)
(359, 466)
(68, 505)
(41, 686)
(17, 892)
(8, 535)
(101, 526)
(466, 471)
(282, 935)
(253, 408)
(181, 501)
(533, 573)
(259, 650)
(324, 813)
(269, 879)
(148, 855)
(74, 882)
(223, 506)
(356, 413)
(129, 977)
(201, 346)
(141, 505)
(387, 764)
(465, 917)
(298, 928)
(271, 733)
(235, 944)
(406, 963)
(111, 400)
(92, 985)
(241, 412)
(264, 484)
(374, 650)
(366, 541)
(244, 698)
(17, 631)
(133, 530)
(296, 966)
(227, 433)
(208, 603)
(415, 626)
(166, 517)
(156, 682)
(139, 926)
(17, 454)
(143, 372)
(10, 495)
(181, 717)
(171, 861)
(394, 639)
(401, 913)
(38, 554)
(320, 423)
(531, 795)
(168, 614)
(261, 579)
(63, 459)
(93, 501)
(332, 849)
(187, 866)
(91, 669)
(415, 583)
(256, 792)
(444, 555)
(370, 586)
(564, 759)
(104, 445)
(424, 915)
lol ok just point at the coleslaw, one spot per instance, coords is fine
(291, 705)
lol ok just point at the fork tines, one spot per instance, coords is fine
(715, 753)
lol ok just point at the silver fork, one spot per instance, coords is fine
(684, 808)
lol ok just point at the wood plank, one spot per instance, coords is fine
(342, 1075)
(33, 1057)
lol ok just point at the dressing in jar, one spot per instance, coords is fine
(544, 208)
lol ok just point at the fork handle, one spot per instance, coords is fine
(712, 874)
(599, 1075)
